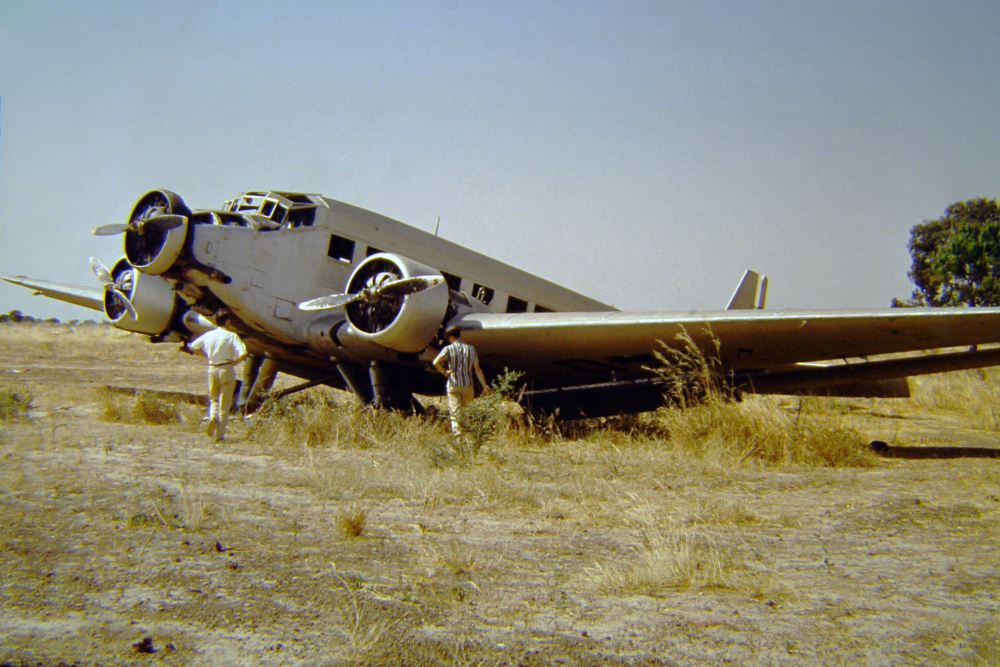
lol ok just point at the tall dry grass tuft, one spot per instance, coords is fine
(757, 430)
(322, 418)
(675, 555)
(679, 557)
(363, 626)
(352, 521)
(143, 408)
(974, 394)
(708, 421)
(309, 418)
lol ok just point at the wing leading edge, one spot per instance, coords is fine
(618, 344)
(80, 296)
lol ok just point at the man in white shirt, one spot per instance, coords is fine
(224, 350)
(462, 367)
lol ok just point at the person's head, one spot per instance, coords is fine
(222, 318)
(452, 333)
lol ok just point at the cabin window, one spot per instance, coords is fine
(483, 293)
(372, 251)
(454, 282)
(340, 248)
(515, 305)
(542, 309)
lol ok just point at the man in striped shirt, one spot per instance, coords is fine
(461, 369)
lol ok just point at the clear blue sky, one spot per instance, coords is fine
(642, 153)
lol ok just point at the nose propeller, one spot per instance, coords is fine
(114, 287)
(153, 220)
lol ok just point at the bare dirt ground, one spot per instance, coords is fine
(148, 544)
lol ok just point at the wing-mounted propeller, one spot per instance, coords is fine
(393, 301)
(134, 301)
(117, 290)
(381, 290)
(155, 231)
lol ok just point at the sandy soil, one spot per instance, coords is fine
(117, 534)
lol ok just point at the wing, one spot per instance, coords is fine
(557, 349)
(87, 297)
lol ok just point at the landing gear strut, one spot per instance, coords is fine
(390, 393)
(258, 376)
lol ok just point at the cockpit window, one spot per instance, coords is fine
(268, 211)
(301, 216)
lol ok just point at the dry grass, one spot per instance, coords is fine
(974, 394)
(985, 644)
(14, 403)
(352, 521)
(365, 627)
(671, 557)
(143, 408)
(327, 418)
(710, 424)
(757, 431)
(729, 532)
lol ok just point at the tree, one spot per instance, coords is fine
(956, 258)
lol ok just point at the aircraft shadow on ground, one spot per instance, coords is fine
(893, 452)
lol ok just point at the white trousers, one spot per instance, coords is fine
(221, 384)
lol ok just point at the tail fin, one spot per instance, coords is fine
(750, 293)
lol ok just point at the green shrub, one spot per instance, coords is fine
(487, 418)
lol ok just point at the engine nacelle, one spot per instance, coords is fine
(152, 297)
(153, 250)
(405, 324)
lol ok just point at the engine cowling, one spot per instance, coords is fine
(405, 324)
(150, 249)
(152, 297)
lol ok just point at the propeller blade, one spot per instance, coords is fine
(100, 271)
(330, 301)
(125, 302)
(110, 230)
(406, 286)
(163, 223)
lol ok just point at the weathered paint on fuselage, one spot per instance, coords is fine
(265, 273)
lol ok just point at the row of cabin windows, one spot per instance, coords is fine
(343, 250)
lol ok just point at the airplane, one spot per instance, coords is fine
(340, 296)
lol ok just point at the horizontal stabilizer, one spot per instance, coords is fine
(88, 297)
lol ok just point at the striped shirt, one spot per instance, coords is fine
(462, 359)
